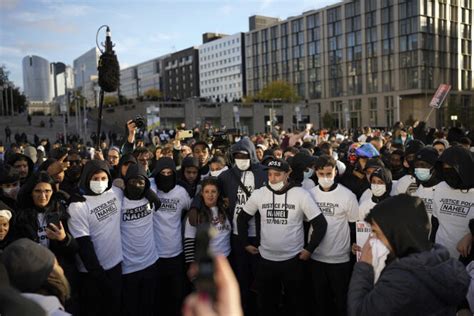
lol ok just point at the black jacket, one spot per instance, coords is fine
(424, 283)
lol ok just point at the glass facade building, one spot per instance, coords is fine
(370, 62)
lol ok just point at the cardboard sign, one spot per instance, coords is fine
(440, 95)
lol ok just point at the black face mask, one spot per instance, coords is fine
(165, 183)
(452, 178)
(73, 173)
(134, 192)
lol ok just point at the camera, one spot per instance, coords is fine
(139, 121)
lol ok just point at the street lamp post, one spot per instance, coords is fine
(1, 101)
(11, 98)
(454, 118)
(84, 101)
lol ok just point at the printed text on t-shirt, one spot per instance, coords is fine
(105, 210)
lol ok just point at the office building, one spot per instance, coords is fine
(181, 74)
(221, 68)
(38, 81)
(86, 75)
(370, 62)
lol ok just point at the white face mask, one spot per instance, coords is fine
(378, 189)
(326, 183)
(277, 186)
(216, 173)
(11, 192)
(98, 187)
(242, 164)
(309, 173)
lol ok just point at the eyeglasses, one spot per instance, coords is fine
(41, 192)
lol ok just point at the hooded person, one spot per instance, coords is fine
(34, 271)
(95, 223)
(237, 184)
(403, 184)
(139, 273)
(302, 171)
(167, 231)
(283, 208)
(42, 217)
(380, 188)
(427, 177)
(189, 176)
(9, 185)
(417, 278)
(23, 164)
(453, 200)
(371, 165)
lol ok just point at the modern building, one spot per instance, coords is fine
(85, 74)
(222, 69)
(370, 62)
(181, 74)
(136, 80)
(38, 77)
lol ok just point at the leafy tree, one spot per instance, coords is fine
(327, 120)
(152, 94)
(19, 99)
(110, 100)
(278, 90)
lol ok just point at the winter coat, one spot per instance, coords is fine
(423, 283)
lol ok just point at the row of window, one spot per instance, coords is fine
(212, 56)
(221, 45)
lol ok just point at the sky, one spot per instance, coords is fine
(62, 30)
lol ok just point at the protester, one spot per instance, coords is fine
(400, 271)
(453, 200)
(34, 271)
(139, 268)
(213, 211)
(95, 223)
(189, 177)
(283, 208)
(9, 185)
(167, 228)
(330, 266)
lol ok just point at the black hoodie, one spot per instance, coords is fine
(386, 176)
(135, 171)
(161, 164)
(462, 161)
(92, 167)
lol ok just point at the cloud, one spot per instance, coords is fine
(42, 21)
(8, 51)
(8, 4)
(225, 9)
(161, 37)
(265, 4)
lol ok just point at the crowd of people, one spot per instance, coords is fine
(302, 222)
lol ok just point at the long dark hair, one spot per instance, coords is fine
(204, 213)
(25, 199)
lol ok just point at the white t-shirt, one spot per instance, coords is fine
(339, 207)
(138, 244)
(282, 235)
(43, 238)
(402, 184)
(453, 209)
(167, 221)
(99, 217)
(248, 180)
(365, 206)
(308, 184)
(220, 243)
(426, 194)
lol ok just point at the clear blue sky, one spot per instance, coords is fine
(61, 30)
